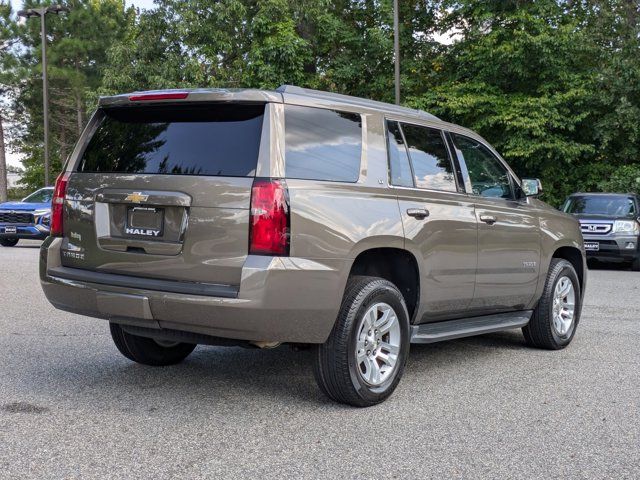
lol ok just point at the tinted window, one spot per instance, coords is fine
(204, 140)
(398, 159)
(430, 160)
(489, 178)
(609, 205)
(322, 144)
(41, 196)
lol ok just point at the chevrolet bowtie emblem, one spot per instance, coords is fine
(136, 197)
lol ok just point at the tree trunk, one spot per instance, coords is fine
(63, 146)
(3, 165)
(80, 113)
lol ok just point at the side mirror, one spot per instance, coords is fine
(531, 187)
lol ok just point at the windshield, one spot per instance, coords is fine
(612, 206)
(40, 196)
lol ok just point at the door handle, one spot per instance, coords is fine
(418, 213)
(488, 219)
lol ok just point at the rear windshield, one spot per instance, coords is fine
(218, 140)
(613, 206)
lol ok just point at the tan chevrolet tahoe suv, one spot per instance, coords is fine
(255, 218)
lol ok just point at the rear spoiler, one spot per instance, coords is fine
(192, 95)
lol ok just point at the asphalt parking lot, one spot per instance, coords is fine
(489, 407)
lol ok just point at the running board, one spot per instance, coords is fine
(467, 327)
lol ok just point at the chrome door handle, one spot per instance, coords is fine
(418, 213)
(488, 219)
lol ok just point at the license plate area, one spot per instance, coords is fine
(144, 222)
(592, 246)
(10, 229)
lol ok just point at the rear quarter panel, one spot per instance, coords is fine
(339, 220)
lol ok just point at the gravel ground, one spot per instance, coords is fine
(488, 407)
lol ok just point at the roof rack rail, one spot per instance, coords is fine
(295, 90)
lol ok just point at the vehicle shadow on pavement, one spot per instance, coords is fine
(216, 375)
(609, 266)
(233, 378)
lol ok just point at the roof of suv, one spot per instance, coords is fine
(249, 95)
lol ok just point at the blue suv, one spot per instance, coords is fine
(30, 218)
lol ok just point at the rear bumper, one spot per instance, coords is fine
(612, 248)
(278, 300)
(34, 232)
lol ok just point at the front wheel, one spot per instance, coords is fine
(635, 265)
(157, 353)
(8, 242)
(554, 321)
(363, 359)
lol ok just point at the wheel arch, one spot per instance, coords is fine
(397, 265)
(574, 256)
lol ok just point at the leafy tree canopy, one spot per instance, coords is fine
(553, 84)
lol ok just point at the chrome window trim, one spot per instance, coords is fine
(513, 178)
(423, 124)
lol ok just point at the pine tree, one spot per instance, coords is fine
(7, 28)
(77, 45)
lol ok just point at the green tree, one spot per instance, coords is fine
(77, 43)
(625, 179)
(7, 37)
(521, 74)
(553, 84)
(205, 43)
(615, 27)
(344, 46)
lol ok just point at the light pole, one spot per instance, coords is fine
(42, 12)
(396, 49)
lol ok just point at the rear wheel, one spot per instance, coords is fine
(148, 351)
(363, 359)
(554, 321)
(8, 242)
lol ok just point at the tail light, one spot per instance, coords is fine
(147, 97)
(269, 218)
(57, 204)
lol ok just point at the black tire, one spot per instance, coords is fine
(540, 332)
(146, 350)
(335, 368)
(9, 242)
(635, 265)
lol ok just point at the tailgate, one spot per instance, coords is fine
(164, 192)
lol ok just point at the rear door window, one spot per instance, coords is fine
(432, 166)
(401, 174)
(322, 144)
(216, 140)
